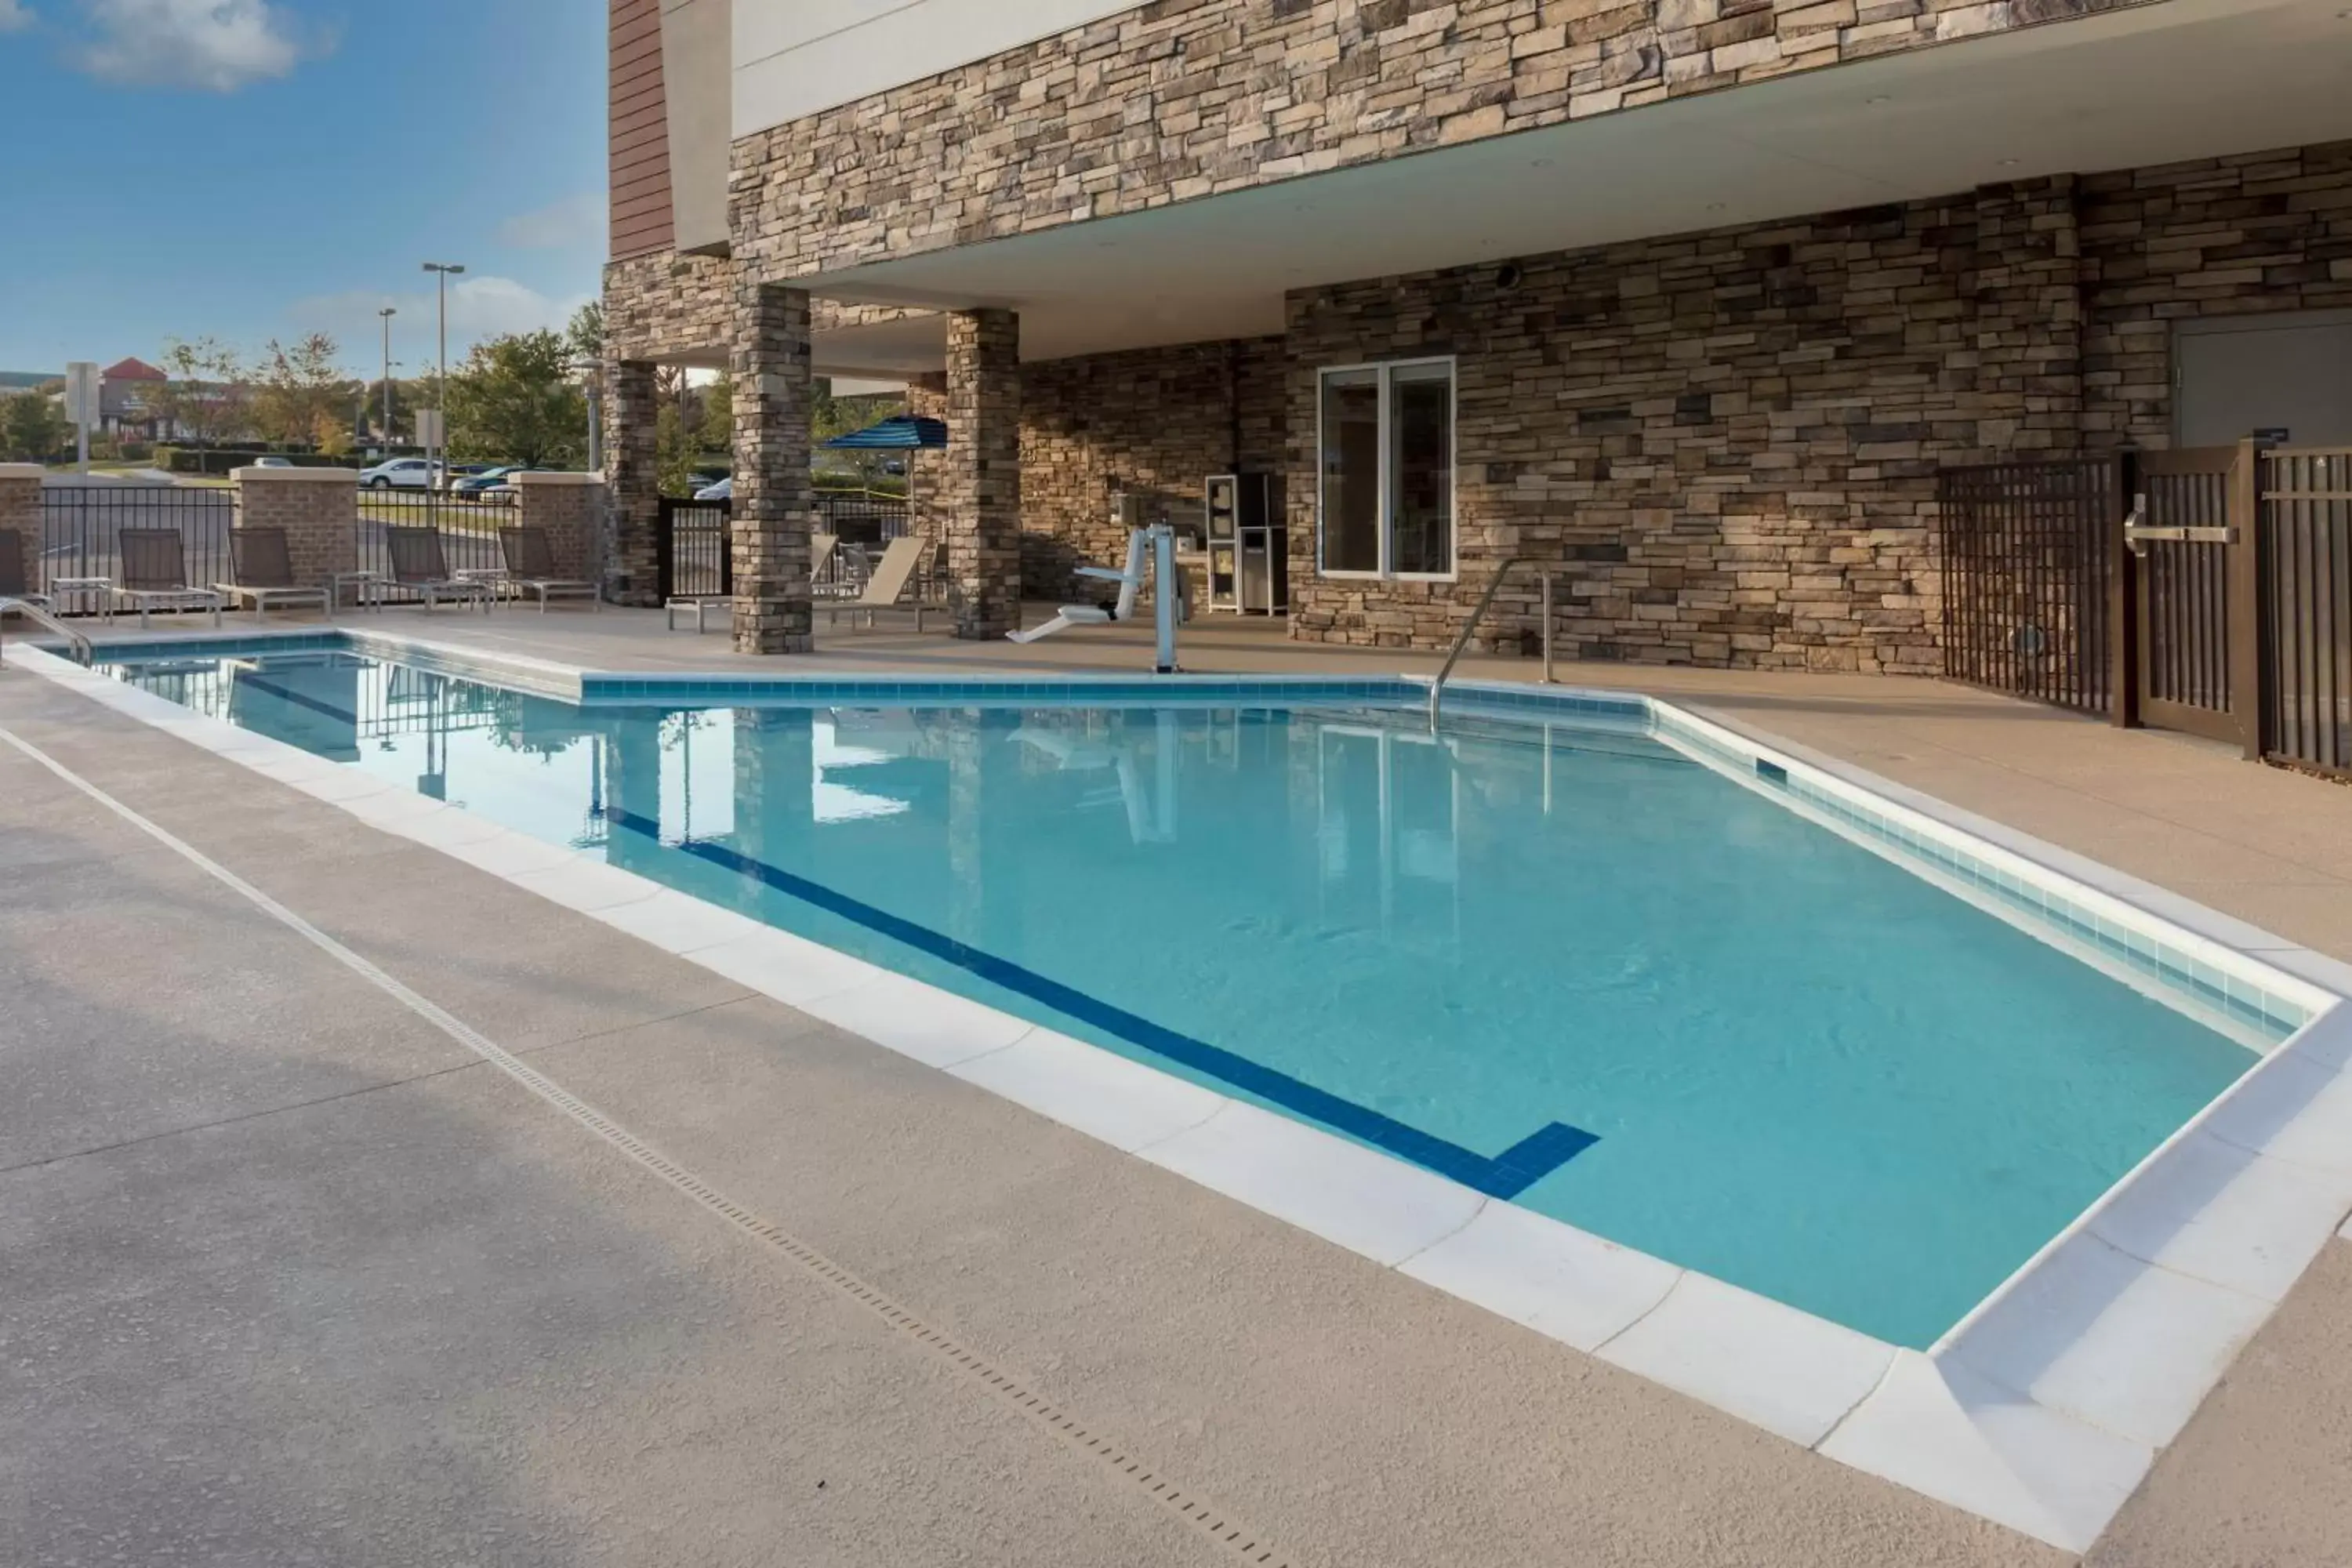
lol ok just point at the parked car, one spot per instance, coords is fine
(273, 462)
(723, 490)
(400, 474)
(466, 470)
(490, 483)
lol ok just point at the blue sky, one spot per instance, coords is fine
(252, 169)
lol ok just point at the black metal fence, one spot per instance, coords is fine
(81, 526)
(468, 529)
(861, 517)
(2029, 575)
(692, 550)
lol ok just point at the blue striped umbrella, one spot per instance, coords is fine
(900, 433)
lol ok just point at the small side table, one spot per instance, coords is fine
(367, 591)
(93, 596)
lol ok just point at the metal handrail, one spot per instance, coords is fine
(1437, 687)
(78, 644)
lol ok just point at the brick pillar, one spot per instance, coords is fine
(318, 508)
(774, 498)
(2026, 299)
(20, 514)
(633, 472)
(980, 473)
(570, 507)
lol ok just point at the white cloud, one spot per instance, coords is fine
(574, 220)
(480, 308)
(217, 45)
(15, 15)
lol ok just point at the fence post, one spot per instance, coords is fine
(2245, 588)
(20, 517)
(318, 508)
(569, 507)
(2123, 601)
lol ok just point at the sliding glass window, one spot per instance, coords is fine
(1386, 434)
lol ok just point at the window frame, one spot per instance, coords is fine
(1385, 374)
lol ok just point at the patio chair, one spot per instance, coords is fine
(906, 560)
(530, 569)
(155, 574)
(419, 564)
(262, 569)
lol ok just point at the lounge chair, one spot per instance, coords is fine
(155, 574)
(901, 564)
(263, 568)
(418, 563)
(530, 569)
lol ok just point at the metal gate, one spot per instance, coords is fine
(2029, 562)
(691, 540)
(2190, 538)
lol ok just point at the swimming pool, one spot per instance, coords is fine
(1583, 963)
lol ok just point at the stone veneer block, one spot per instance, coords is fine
(570, 507)
(775, 500)
(980, 487)
(20, 514)
(318, 508)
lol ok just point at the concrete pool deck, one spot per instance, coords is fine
(552, 1348)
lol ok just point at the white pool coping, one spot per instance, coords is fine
(2042, 1410)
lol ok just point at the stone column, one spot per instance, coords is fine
(20, 515)
(318, 508)
(633, 472)
(775, 500)
(980, 473)
(570, 507)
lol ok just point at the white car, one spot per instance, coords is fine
(723, 490)
(400, 474)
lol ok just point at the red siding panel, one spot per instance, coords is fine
(638, 138)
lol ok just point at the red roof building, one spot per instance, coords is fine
(131, 370)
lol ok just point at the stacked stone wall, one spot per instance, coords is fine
(2265, 231)
(1153, 419)
(1164, 102)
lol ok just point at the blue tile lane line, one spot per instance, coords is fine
(1505, 1175)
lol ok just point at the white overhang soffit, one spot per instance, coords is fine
(797, 57)
(2155, 84)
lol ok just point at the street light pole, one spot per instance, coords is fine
(441, 391)
(387, 313)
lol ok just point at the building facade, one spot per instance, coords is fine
(1687, 301)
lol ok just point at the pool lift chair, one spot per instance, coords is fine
(1156, 545)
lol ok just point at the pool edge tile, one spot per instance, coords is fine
(1777, 1366)
(1116, 1101)
(1355, 1197)
(1951, 1434)
(1543, 1274)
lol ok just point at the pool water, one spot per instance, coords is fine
(1563, 963)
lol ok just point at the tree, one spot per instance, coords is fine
(514, 401)
(407, 396)
(298, 387)
(331, 434)
(585, 336)
(208, 396)
(32, 428)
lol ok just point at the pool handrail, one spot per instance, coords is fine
(1462, 640)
